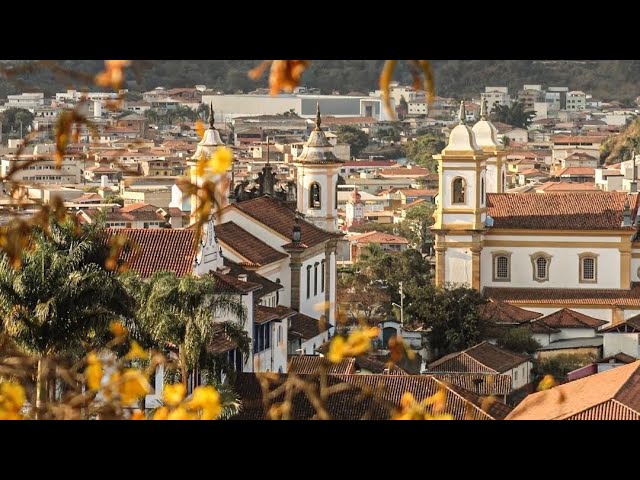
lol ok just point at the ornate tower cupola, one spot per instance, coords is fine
(354, 209)
(210, 142)
(317, 170)
(487, 139)
(462, 209)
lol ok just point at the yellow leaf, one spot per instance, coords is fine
(337, 349)
(200, 128)
(173, 394)
(136, 352)
(117, 329)
(93, 373)
(161, 413)
(133, 385)
(546, 383)
(206, 399)
(180, 413)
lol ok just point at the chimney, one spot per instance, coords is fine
(242, 277)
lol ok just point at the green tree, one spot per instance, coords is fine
(448, 313)
(559, 365)
(354, 137)
(618, 148)
(12, 118)
(416, 223)
(515, 114)
(184, 313)
(519, 340)
(422, 149)
(61, 301)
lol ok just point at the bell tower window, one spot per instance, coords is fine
(314, 196)
(458, 189)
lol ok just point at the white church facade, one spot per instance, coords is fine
(541, 252)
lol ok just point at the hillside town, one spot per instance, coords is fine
(494, 241)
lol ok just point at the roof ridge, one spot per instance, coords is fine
(448, 387)
(478, 361)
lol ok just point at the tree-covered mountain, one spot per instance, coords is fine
(605, 79)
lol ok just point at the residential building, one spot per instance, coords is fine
(387, 242)
(496, 96)
(576, 100)
(491, 361)
(611, 395)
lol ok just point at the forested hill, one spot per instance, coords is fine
(606, 79)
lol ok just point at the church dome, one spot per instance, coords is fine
(462, 138)
(210, 140)
(318, 150)
(486, 134)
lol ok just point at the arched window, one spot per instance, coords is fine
(588, 267)
(540, 262)
(279, 334)
(278, 292)
(308, 281)
(504, 182)
(458, 190)
(322, 275)
(482, 191)
(501, 266)
(541, 268)
(314, 196)
(315, 279)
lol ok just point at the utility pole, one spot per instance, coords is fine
(401, 304)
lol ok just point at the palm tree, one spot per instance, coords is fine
(62, 300)
(182, 314)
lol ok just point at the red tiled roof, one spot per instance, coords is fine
(610, 395)
(280, 218)
(579, 171)
(481, 358)
(307, 327)
(501, 313)
(567, 318)
(268, 286)
(364, 397)
(378, 237)
(310, 364)
(230, 284)
(158, 249)
(375, 364)
(572, 211)
(220, 342)
(561, 187)
(567, 296)
(480, 383)
(268, 314)
(253, 249)
(632, 326)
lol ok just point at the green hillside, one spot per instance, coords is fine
(606, 80)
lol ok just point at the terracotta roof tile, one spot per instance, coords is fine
(632, 324)
(268, 314)
(574, 211)
(280, 218)
(567, 318)
(579, 171)
(481, 358)
(220, 343)
(159, 249)
(253, 249)
(567, 296)
(377, 365)
(480, 383)
(377, 237)
(610, 395)
(309, 364)
(562, 187)
(366, 396)
(230, 284)
(267, 285)
(618, 357)
(501, 313)
(306, 327)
